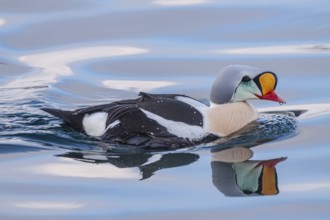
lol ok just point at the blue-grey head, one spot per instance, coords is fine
(237, 83)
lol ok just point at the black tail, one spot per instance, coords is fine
(74, 121)
(64, 115)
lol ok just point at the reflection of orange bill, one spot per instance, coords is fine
(268, 181)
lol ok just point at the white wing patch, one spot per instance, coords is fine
(179, 129)
(94, 124)
(113, 124)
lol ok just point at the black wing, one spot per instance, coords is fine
(135, 128)
(74, 119)
(168, 107)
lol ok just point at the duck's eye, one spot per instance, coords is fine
(246, 79)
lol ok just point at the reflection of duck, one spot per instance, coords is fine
(178, 120)
(249, 177)
(232, 173)
(148, 164)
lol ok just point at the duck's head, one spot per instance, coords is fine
(237, 83)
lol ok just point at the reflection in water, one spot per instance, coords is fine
(232, 155)
(147, 163)
(232, 173)
(251, 177)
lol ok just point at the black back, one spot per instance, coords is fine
(135, 127)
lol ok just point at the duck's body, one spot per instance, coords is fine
(172, 120)
(151, 120)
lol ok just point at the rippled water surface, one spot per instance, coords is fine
(70, 54)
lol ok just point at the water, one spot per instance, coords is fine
(71, 54)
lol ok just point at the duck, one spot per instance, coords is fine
(176, 120)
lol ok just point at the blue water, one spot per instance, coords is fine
(71, 54)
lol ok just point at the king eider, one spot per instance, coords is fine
(173, 120)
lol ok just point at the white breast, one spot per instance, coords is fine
(225, 119)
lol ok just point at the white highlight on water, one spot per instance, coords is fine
(137, 85)
(2, 22)
(49, 205)
(179, 2)
(312, 110)
(56, 64)
(70, 168)
(281, 49)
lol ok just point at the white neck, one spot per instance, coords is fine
(225, 119)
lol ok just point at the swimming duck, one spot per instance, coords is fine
(174, 120)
